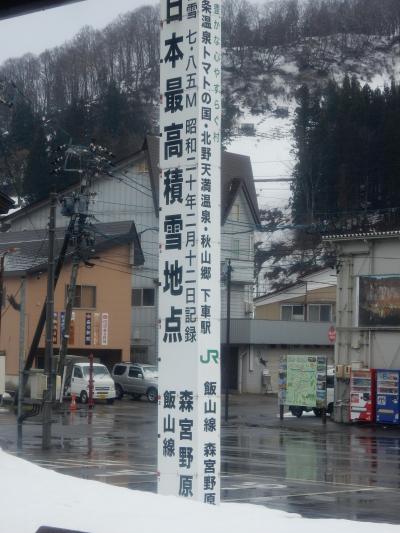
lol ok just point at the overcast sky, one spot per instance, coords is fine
(45, 29)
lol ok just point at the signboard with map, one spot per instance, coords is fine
(305, 383)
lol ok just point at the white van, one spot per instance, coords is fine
(77, 382)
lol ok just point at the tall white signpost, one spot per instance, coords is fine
(189, 268)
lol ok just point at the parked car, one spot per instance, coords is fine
(77, 382)
(298, 410)
(137, 380)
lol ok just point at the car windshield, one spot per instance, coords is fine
(98, 370)
(150, 372)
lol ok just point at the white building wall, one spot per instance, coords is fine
(237, 244)
(252, 368)
(125, 197)
(368, 347)
(373, 347)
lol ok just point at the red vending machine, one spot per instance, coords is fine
(362, 395)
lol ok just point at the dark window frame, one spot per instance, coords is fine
(319, 305)
(138, 297)
(291, 319)
(77, 304)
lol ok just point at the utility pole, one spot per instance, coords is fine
(68, 312)
(21, 359)
(76, 208)
(48, 357)
(42, 319)
(74, 276)
(79, 205)
(228, 335)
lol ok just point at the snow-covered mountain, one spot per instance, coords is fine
(269, 51)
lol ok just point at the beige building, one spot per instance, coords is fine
(296, 320)
(312, 299)
(102, 309)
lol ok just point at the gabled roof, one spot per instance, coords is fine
(236, 175)
(31, 247)
(44, 202)
(6, 203)
(320, 279)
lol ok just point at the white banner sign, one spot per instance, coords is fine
(189, 268)
(104, 329)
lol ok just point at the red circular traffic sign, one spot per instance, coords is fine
(332, 334)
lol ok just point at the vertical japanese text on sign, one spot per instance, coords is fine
(189, 264)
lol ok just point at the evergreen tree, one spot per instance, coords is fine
(22, 124)
(346, 143)
(38, 182)
(76, 123)
(113, 109)
(307, 172)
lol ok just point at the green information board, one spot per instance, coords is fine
(305, 380)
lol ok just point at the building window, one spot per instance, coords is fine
(235, 248)
(139, 354)
(292, 312)
(319, 312)
(251, 245)
(143, 297)
(235, 214)
(141, 166)
(85, 296)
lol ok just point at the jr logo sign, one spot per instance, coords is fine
(212, 356)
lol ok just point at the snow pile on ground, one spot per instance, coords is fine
(32, 496)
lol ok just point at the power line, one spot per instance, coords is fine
(134, 180)
(271, 161)
(111, 176)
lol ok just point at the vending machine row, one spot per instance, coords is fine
(362, 395)
(375, 396)
(387, 396)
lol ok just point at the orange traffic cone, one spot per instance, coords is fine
(73, 407)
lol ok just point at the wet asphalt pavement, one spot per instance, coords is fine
(296, 465)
